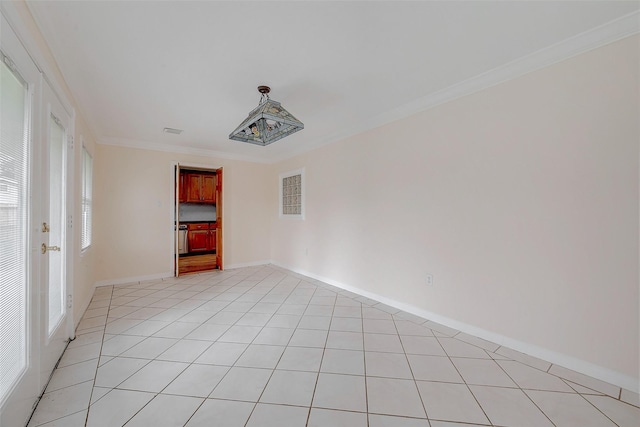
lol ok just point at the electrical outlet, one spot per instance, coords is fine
(429, 279)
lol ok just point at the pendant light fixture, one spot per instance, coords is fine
(266, 123)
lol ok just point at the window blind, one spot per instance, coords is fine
(87, 183)
(14, 192)
(57, 152)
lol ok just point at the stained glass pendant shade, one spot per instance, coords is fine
(267, 123)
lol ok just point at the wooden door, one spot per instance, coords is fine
(212, 239)
(182, 188)
(219, 223)
(208, 189)
(179, 179)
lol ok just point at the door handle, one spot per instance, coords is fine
(46, 248)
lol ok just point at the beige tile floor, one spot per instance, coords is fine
(263, 346)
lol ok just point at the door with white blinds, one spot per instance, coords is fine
(55, 236)
(19, 267)
(35, 238)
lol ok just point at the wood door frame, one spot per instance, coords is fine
(173, 211)
(219, 195)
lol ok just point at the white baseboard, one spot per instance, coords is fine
(133, 279)
(85, 305)
(587, 368)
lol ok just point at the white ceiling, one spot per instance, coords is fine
(136, 67)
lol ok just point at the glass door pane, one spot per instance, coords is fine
(57, 154)
(14, 143)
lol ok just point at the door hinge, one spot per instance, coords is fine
(69, 301)
(70, 221)
(70, 141)
(9, 63)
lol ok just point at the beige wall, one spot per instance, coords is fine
(134, 211)
(521, 200)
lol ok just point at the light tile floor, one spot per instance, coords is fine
(263, 346)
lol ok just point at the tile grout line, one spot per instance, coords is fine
(222, 378)
(132, 374)
(315, 386)
(415, 382)
(86, 420)
(249, 344)
(228, 370)
(522, 390)
(465, 382)
(156, 394)
(364, 362)
(254, 278)
(598, 409)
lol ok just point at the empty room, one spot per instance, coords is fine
(320, 213)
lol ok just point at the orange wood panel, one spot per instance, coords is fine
(192, 264)
(198, 240)
(193, 187)
(208, 189)
(219, 223)
(182, 190)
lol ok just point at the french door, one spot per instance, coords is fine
(34, 237)
(54, 231)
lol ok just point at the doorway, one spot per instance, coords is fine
(198, 199)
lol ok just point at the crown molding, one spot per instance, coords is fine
(157, 146)
(594, 38)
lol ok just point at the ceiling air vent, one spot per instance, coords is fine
(172, 130)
